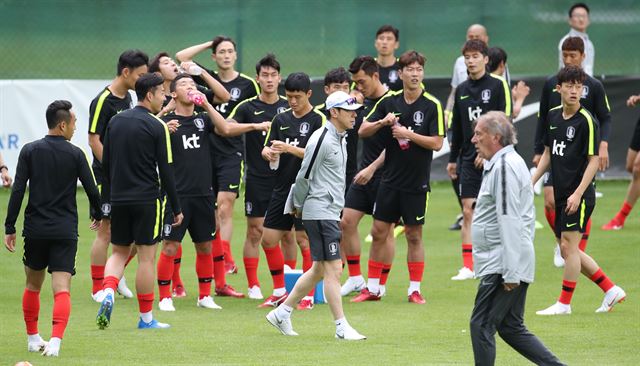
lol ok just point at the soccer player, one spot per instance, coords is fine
(412, 128)
(5, 177)
(52, 166)
(633, 167)
(284, 149)
(318, 197)
(498, 65)
(227, 152)
(362, 191)
(112, 100)
(386, 43)
(579, 22)
(593, 99)
(571, 140)
(252, 117)
(481, 93)
(137, 146)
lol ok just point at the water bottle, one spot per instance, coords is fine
(275, 164)
(194, 70)
(196, 98)
(404, 143)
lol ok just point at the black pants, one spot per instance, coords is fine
(503, 311)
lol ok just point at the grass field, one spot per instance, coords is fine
(399, 332)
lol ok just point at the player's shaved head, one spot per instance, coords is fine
(477, 31)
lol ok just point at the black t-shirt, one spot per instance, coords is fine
(254, 110)
(191, 155)
(474, 98)
(104, 106)
(389, 76)
(571, 142)
(593, 99)
(409, 170)
(351, 138)
(372, 146)
(296, 132)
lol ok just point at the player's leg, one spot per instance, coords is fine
(225, 215)
(251, 255)
(99, 255)
(378, 255)
(204, 270)
(633, 192)
(550, 215)
(415, 262)
(332, 272)
(466, 272)
(35, 262)
(275, 261)
(290, 249)
(351, 247)
(61, 285)
(165, 271)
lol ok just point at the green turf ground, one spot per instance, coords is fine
(399, 333)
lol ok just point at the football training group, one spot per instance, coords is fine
(197, 138)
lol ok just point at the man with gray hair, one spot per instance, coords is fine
(502, 231)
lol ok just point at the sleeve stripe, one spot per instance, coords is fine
(591, 150)
(86, 158)
(503, 170)
(507, 94)
(390, 93)
(315, 154)
(255, 85)
(324, 118)
(96, 113)
(440, 114)
(606, 100)
(233, 112)
(167, 138)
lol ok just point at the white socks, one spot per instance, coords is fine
(373, 284)
(413, 286)
(284, 311)
(279, 291)
(146, 317)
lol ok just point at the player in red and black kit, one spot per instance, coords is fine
(480, 93)
(112, 100)
(284, 149)
(571, 140)
(412, 123)
(227, 152)
(594, 100)
(52, 166)
(386, 43)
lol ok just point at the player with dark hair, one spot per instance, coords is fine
(386, 43)
(52, 166)
(571, 140)
(481, 93)
(579, 22)
(137, 147)
(112, 100)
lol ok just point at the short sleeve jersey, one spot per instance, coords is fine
(409, 170)
(254, 110)
(104, 106)
(372, 146)
(191, 155)
(571, 142)
(389, 76)
(294, 131)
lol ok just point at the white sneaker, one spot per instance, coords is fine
(615, 295)
(36, 345)
(53, 348)
(353, 284)
(255, 293)
(98, 296)
(166, 304)
(464, 274)
(350, 334)
(558, 261)
(283, 325)
(207, 302)
(123, 289)
(556, 309)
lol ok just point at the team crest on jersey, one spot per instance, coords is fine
(249, 207)
(106, 209)
(486, 95)
(418, 118)
(304, 128)
(281, 109)
(199, 122)
(333, 248)
(167, 230)
(393, 76)
(571, 133)
(585, 91)
(235, 93)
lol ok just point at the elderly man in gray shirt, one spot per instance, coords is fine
(502, 232)
(318, 196)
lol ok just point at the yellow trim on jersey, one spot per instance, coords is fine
(388, 94)
(233, 112)
(591, 151)
(440, 114)
(606, 100)
(583, 207)
(426, 205)
(319, 107)
(554, 108)
(507, 94)
(167, 138)
(255, 85)
(324, 118)
(156, 228)
(96, 113)
(86, 158)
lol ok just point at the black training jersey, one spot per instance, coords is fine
(351, 138)
(296, 132)
(137, 146)
(104, 106)
(389, 76)
(571, 142)
(408, 170)
(191, 155)
(474, 98)
(594, 99)
(253, 110)
(372, 146)
(52, 166)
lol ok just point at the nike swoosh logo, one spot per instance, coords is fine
(257, 112)
(233, 186)
(340, 336)
(572, 225)
(463, 97)
(419, 218)
(553, 127)
(396, 113)
(282, 128)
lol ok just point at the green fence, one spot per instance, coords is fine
(82, 39)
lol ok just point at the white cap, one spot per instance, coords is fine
(342, 100)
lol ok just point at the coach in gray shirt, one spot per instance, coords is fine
(502, 233)
(318, 196)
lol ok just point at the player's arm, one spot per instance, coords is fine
(543, 165)
(591, 150)
(603, 114)
(220, 94)
(106, 163)
(456, 140)
(504, 98)
(231, 127)
(190, 53)
(431, 135)
(364, 176)
(97, 125)
(506, 191)
(165, 167)
(449, 107)
(519, 92)
(85, 174)
(376, 119)
(272, 134)
(15, 200)
(282, 147)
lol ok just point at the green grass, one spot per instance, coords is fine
(399, 332)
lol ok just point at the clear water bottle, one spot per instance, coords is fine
(404, 143)
(194, 70)
(275, 163)
(196, 98)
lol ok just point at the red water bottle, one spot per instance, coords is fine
(404, 143)
(196, 98)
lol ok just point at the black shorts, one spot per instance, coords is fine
(470, 180)
(547, 179)
(324, 239)
(257, 193)
(228, 171)
(574, 222)
(363, 197)
(274, 217)
(348, 182)
(635, 140)
(392, 204)
(139, 223)
(199, 218)
(57, 255)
